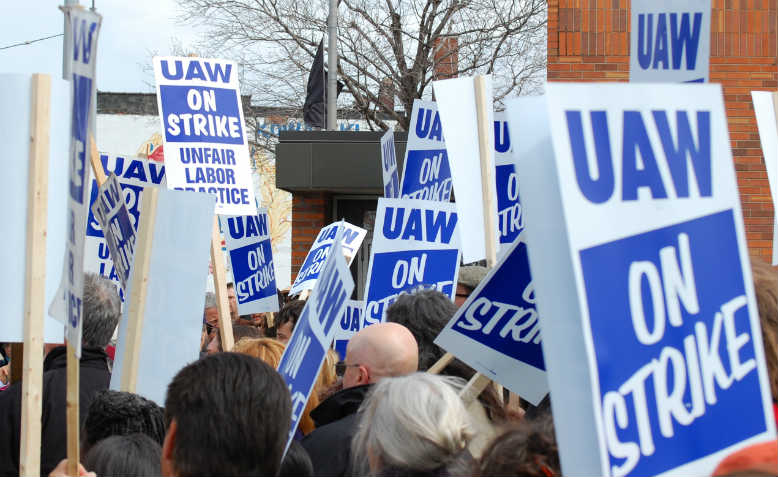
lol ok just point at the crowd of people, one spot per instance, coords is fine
(374, 411)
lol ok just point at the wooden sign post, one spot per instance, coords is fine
(35, 277)
(220, 286)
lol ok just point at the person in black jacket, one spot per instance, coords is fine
(377, 351)
(101, 314)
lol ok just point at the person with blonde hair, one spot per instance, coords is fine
(425, 435)
(270, 351)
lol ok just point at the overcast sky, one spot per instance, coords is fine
(130, 31)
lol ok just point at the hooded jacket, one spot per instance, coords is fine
(329, 445)
(94, 377)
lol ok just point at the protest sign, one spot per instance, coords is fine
(134, 174)
(312, 336)
(476, 204)
(415, 245)
(204, 131)
(15, 122)
(110, 210)
(317, 255)
(165, 292)
(497, 331)
(651, 332)
(350, 322)
(251, 257)
(509, 218)
(389, 165)
(767, 121)
(426, 173)
(669, 41)
(67, 306)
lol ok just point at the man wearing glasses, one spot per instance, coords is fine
(377, 351)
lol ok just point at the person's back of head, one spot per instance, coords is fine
(226, 414)
(119, 413)
(297, 462)
(245, 331)
(425, 313)
(527, 449)
(379, 351)
(129, 455)
(286, 319)
(102, 309)
(414, 424)
(766, 290)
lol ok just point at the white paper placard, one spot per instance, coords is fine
(764, 108)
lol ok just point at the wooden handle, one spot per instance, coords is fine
(97, 166)
(71, 406)
(487, 171)
(441, 364)
(220, 285)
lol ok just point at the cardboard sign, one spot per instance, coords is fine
(68, 306)
(415, 245)
(509, 217)
(320, 250)
(205, 134)
(767, 121)
(457, 105)
(111, 213)
(670, 41)
(173, 311)
(497, 331)
(426, 173)
(15, 97)
(651, 332)
(318, 323)
(133, 173)
(350, 323)
(389, 165)
(251, 259)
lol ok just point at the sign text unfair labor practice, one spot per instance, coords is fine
(206, 149)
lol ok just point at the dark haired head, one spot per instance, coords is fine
(118, 413)
(529, 449)
(227, 414)
(130, 455)
(425, 313)
(297, 462)
(290, 313)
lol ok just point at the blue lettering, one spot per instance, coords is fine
(645, 31)
(633, 178)
(393, 223)
(136, 171)
(676, 156)
(596, 190)
(333, 296)
(178, 72)
(437, 224)
(660, 47)
(349, 235)
(502, 141)
(217, 72)
(683, 38)
(437, 129)
(262, 224)
(195, 71)
(413, 226)
(423, 123)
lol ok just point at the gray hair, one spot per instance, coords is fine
(102, 309)
(210, 300)
(411, 423)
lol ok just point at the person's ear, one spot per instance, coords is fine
(166, 464)
(364, 375)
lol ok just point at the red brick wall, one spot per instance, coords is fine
(588, 40)
(310, 212)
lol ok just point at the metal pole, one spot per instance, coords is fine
(332, 67)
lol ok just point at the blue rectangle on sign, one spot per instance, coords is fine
(198, 114)
(503, 316)
(673, 344)
(427, 175)
(252, 268)
(509, 217)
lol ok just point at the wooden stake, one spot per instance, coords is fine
(479, 382)
(136, 305)
(35, 276)
(97, 166)
(270, 319)
(441, 363)
(73, 424)
(220, 286)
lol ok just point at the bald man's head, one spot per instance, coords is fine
(378, 351)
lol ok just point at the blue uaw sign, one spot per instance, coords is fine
(497, 330)
(350, 323)
(206, 149)
(670, 41)
(509, 217)
(251, 256)
(68, 306)
(389, 165)
(415, 245)
(320, 250)
(112, 214)
(133, 174)
(649, 280)
(315, 330)
(426, 173)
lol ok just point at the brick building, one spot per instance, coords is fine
(588, 40)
